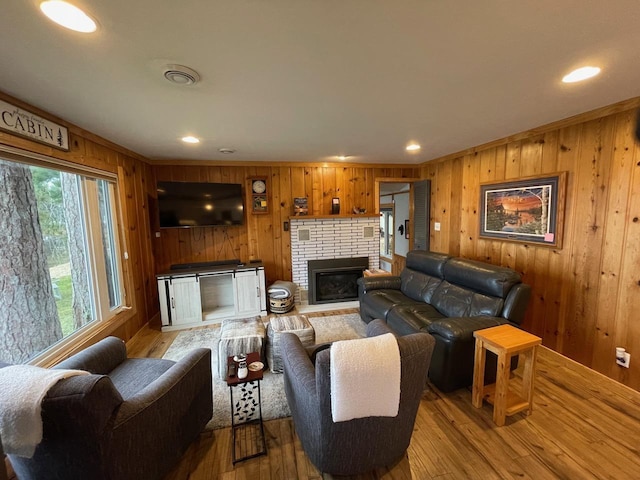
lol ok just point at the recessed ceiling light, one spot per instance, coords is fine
(69, 16)
(343, 157)
(190, 139)
(413, 147)
(580, 74)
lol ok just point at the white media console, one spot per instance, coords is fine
(206, 295)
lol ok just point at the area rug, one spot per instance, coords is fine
(274, 402)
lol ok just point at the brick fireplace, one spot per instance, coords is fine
(322, 238)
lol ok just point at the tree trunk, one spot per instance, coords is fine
(81, 299)
(545, 209)
(28, 315)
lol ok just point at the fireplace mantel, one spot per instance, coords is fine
(322, 217)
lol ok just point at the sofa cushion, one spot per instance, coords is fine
(408, 319)
(454, 301)
(431, 263)
(381, 301)
(481, 277)
(417, 285)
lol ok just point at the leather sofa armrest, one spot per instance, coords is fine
(377, 283)
(462, 328)
(515, 305)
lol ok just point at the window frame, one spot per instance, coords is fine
(101, 327)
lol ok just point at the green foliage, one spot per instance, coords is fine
(496, 220)
(48, 190)
(65, 310)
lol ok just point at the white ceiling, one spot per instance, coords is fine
(305, 80)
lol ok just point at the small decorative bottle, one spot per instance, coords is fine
(242, 369)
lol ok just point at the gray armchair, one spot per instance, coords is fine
(130, 419)
(363, 444)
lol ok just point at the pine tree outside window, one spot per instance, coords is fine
(60, 256)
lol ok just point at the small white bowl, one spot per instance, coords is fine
(256, 366)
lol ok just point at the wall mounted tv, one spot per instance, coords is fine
(191, 204)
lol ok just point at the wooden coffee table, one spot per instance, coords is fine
(505, 341)
(246, 413)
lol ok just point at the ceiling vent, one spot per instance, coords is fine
(181, 75)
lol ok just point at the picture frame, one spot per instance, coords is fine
(300, 206)
(527, 210)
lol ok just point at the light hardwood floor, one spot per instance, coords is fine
(584, 425)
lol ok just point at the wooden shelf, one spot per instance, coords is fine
(316, 217)
(515, 403)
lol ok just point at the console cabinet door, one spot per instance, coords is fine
(186, 305)
(249, 291)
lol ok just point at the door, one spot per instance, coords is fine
(186, 305)
(421, 194)
(248, 292)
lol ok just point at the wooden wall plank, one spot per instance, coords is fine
(592, 180)
(614, 226)
(470, 192)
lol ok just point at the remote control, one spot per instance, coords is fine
(232, 370)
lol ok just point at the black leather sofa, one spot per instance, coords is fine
(449, 298)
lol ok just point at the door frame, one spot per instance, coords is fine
(410, 181)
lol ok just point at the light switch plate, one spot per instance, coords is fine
(436, 226)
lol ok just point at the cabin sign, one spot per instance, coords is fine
(21, 122)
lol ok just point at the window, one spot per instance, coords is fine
(386, 230)
(59, 256)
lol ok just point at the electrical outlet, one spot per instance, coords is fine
(436, 226)
(623, 358)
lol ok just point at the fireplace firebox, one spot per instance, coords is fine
(335, 280)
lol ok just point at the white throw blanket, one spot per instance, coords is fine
(365, 378)
(22, 388)
(282, 289)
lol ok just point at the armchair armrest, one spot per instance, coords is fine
(100, 358)
(378, 327)
(462, 328)
(84, 403)
(377, 283)
(191, 373)
(313, 350)
(299, 367)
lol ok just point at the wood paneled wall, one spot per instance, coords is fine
(586, 296)
(89, 150)
(263, 236)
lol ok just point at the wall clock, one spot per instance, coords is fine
(259, 195)
(259, 186)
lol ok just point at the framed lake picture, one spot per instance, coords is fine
(529, 210)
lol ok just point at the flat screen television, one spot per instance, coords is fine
(193, 204)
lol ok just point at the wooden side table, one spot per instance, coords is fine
(246, 413)
(505, 341)
(375, 272)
